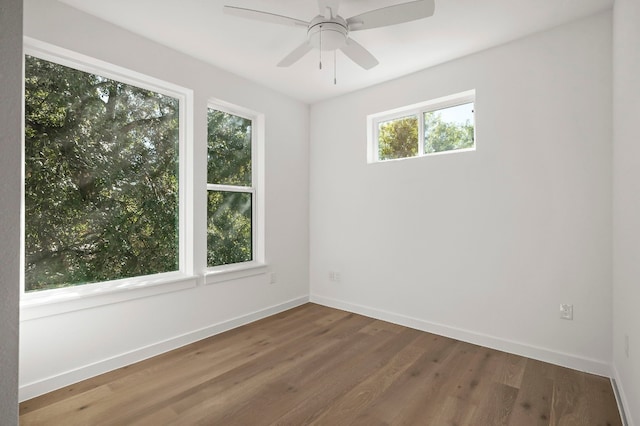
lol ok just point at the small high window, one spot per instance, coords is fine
(437, 126)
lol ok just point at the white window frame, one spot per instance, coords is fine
(257, 265)
(418, 111)
(55, 301)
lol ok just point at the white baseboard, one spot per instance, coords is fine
(621, 398)
(31, 390)
(542, 354)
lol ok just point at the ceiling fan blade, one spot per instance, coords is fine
(392, 15)
(359, 54)
(264, 16)
(296, 55)
(331, 4)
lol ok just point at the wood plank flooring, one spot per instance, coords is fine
(314, 365)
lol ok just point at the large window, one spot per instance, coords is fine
(109, 175)
(102, 186)
(441, 125)
(231, 191)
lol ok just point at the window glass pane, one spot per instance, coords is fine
(449, 129)
(398, 138)
(229, 149)
(229, 228)
(101, 178)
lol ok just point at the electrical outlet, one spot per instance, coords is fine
(566, 311)
(334, 276)
(626, 345)
(273, 278)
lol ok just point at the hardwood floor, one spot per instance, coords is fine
(321, 366)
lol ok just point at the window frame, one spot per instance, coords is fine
(416, 110)
(54, 301)
(257, 265)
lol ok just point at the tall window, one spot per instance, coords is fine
(231, 190)
(101, 186)
(441, 125)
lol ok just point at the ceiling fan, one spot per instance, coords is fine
(329, 31)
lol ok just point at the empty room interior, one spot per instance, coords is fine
(320, 240)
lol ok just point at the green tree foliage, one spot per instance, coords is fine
(441, 135)
(398, 138)
(229, 224)
(101, 178)
(229, 228)
(229, 149)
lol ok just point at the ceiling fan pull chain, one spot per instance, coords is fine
(320, 33)
(335, 67)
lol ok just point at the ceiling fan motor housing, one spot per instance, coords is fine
(327, 34)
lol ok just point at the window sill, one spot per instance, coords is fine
(54, 302)
(427, 155)
(234, 272)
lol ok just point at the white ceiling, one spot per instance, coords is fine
(252, 49)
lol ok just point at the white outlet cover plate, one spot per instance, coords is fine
(566, 311)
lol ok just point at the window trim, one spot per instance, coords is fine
(257, 266)
(415, 110)
(67, 299)
(55, 301)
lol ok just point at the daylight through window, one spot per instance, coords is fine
(230, 187)
(101, 186)
(442, 125)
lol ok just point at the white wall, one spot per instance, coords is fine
(482, 246)
(10, 137)
(65, 348)
(626, 203)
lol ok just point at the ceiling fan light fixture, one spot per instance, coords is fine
(327, 35)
